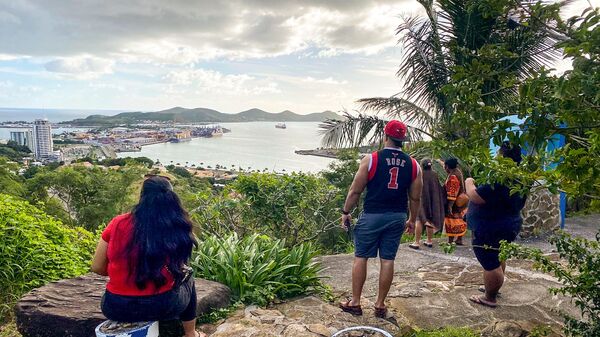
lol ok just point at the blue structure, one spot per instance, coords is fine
(556, 142)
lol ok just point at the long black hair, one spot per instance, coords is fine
(162, 234)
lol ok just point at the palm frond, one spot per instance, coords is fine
(355, 131)
(424, 68)
(396, 107)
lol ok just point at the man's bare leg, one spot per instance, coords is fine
(429, 231)
(359, 275)
(386, 275)
(418, 231)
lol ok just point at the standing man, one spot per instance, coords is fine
(392, 178)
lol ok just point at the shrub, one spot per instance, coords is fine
(36, 248)
(578, 271)
(258, 269)
(297, 207)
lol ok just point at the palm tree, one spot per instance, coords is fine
(451, 34)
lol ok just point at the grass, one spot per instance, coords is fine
(9, 330)
(447, 332)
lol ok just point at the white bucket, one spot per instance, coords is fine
(148, 330)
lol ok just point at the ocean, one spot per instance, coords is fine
(258, 145)
(53, 115)
(255, 145)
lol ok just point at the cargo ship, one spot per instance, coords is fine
(280, 126)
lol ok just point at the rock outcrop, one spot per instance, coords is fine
(71, 308)
(541, 213)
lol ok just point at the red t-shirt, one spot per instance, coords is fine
(118, 233)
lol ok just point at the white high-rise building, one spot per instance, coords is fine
(24, 138)
(42, 139)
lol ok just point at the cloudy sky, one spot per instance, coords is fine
(230, 55)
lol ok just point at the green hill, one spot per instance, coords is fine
(201, 115)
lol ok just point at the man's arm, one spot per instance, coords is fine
(361, 178)
(471, 190)
(414, 194)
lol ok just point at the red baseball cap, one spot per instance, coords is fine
(395, 129)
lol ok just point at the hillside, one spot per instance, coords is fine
(201, 115)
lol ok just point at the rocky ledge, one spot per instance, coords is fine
(71, 308)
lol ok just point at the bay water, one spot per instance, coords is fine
(254, 145)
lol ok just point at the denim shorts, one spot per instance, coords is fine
(378, 233)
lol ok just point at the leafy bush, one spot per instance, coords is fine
(91, 196)
(297, 207)
(578, 271)
(36, 248)
(258, 269)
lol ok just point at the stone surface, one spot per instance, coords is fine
(431, 290)
(518, 329)
(541, 213)
(71, 308)
(308, 316)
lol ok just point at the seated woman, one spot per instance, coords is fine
(144, 253)
(494, 215)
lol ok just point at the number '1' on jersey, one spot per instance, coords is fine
(390, 176)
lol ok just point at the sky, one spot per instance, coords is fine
(229, 55)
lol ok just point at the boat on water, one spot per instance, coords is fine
(280, 126)
(181, 136)
(216, 132)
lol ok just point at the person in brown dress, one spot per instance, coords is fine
(433, 201)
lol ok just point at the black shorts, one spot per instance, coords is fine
(490, 234)
(178, 303)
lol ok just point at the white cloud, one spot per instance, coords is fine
(183, 31)
(81, 67)
(182, 81)
(328, 80)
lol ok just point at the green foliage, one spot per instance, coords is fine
(258, 269)
(340, 173)
(297, 207)
(457, 52)
(90, 196)
(10, 182)
(446, 332)
(36, 249)
(9, 330)
(12, 154)
(578, 271)
(180, 171)
(217, 315)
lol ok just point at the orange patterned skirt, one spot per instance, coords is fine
(455, 225)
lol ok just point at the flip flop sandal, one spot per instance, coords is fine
(482, 289)
(381, 312)
(480, 300)
(355, 310)
(413, 246)
(430, 245)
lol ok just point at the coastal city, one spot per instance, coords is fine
(100, 143)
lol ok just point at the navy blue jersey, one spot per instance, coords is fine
(390, 176)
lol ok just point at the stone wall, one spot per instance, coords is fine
(541, 213)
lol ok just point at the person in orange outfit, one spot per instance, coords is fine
(455, 225)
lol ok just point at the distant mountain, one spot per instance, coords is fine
(201, 115)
